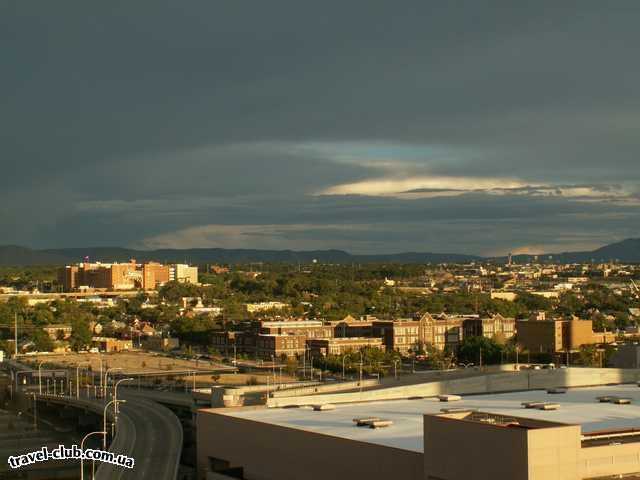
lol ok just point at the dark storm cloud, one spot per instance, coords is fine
(157, 122)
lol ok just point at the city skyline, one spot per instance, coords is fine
(466, 128)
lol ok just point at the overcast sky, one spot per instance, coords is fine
(372, 126)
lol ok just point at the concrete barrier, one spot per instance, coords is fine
(492, 383)
(326, 388)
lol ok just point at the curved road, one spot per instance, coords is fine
(155, 442)
(148, 432)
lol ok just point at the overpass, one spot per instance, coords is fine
(146, 431)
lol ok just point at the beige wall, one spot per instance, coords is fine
(459, 450)
(609, 460)
(271, 452)
(490, 452)
(554, 453)
(495, 383)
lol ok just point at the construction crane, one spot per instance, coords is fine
(635, 289)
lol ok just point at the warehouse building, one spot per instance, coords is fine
(584, 434)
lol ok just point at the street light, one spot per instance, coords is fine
(343, 372)
(40, 378)
(115, 394)
(360, 371)
(104, 421)
(104, 434)
(78, 377)
(106, 379)
(273, 367)
(35, 413)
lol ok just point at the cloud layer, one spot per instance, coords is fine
(367, 126)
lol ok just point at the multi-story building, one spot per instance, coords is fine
(403, 335)
(155, 275)
(352, 327)
(308, 328)
(276, 345)
(495, 326)
(58, 331)
(123, 276)
(339, 346)
(558, 335)
(183, 273)
(265, 306)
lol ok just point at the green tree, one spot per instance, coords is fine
(473, 348)
(42, 341)
(80, 336)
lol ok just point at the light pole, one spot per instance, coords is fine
(99, 358)
(115, 394)
(78, 377)
(343, 371)
(273, 367)
(106, 379)
(360, 371)
(395, 368)
(40, 378)
(35, 413)
(104, 422)
(104, 434)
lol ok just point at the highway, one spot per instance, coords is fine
(148, 432)
(152, 435)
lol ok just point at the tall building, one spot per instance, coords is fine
(155, 275)
(123, 276)
(183, 273)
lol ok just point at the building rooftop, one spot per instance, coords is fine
(578, 406)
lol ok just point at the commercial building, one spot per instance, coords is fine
(352, 327)
(110, 344)
(403, 335)
(276, 346)
(558, 335)
(123, 276)
(183, 273)
(265, 306)
(58, 331)
(495, 326)
(321, 347)
(484, 437)
(308, 328)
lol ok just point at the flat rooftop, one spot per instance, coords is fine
(578, 406)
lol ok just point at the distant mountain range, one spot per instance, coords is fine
(625, 251)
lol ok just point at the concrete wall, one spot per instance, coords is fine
(271, 452)
(554, 453)
(500, 382)
(325, 388)
(609, 460)
(459, 450)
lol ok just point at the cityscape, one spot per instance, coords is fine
(291, 240)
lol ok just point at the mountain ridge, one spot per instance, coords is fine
(625, 251)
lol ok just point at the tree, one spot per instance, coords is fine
(472, 349)
(80, 336)
(42, 341)
(589, 356)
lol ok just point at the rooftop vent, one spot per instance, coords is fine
(366, 421)
(614, 400)
(449, 398)
(458, 410)
(380, 424)
(557, 390)
(541, 405)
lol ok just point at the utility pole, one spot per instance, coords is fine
(15, 334)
